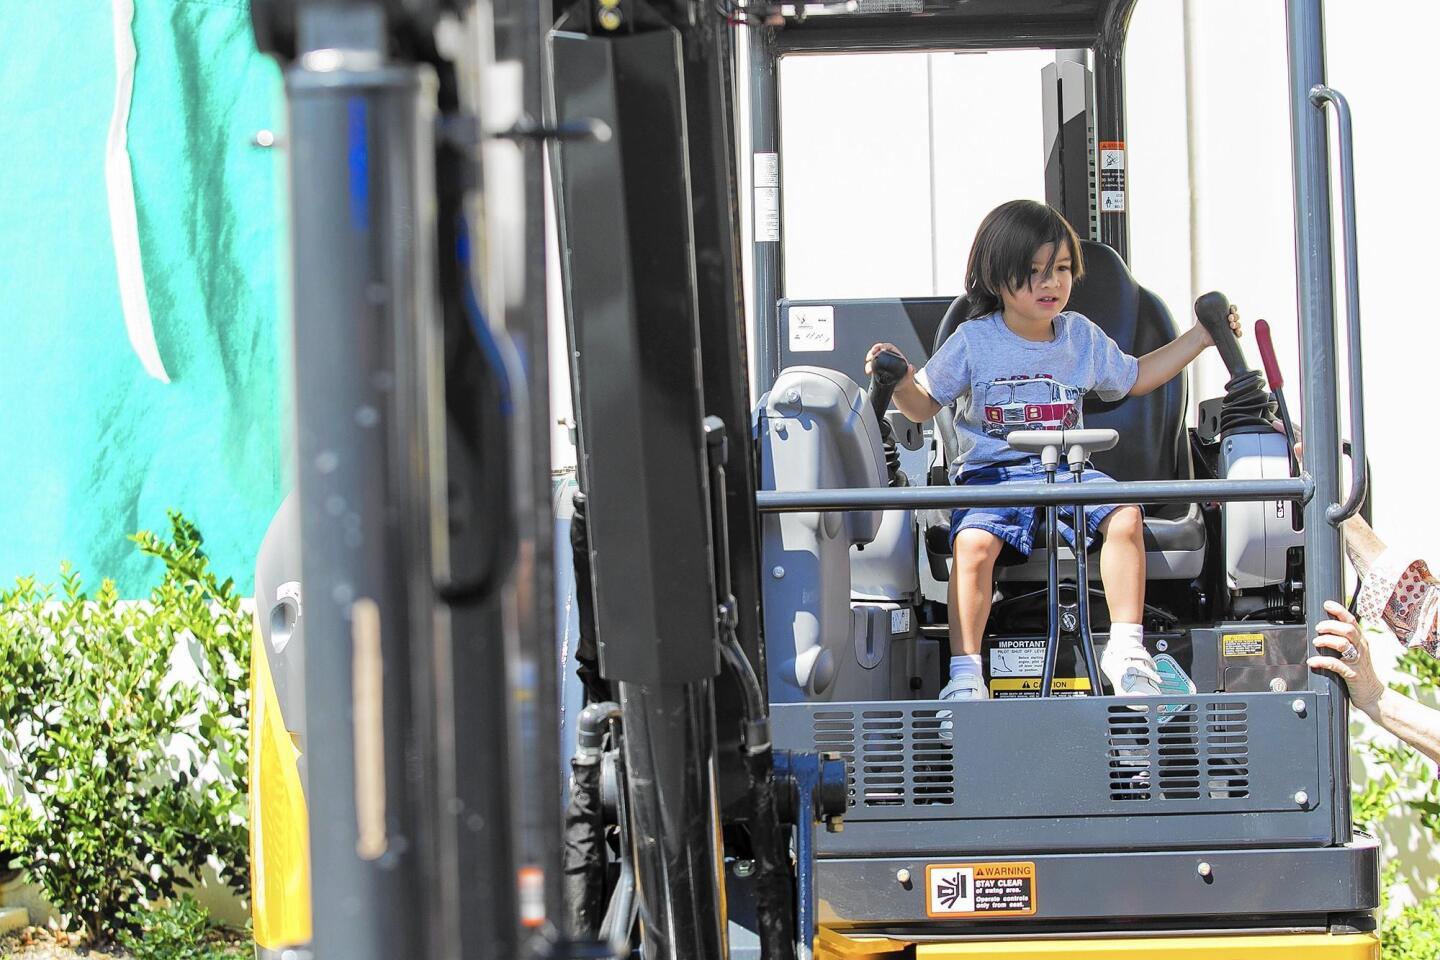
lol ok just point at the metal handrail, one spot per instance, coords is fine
(1320, 95)
(1300, 488)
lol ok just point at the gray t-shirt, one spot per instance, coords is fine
(1004, 382)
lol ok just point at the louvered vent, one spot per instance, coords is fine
(892, 757)
(1181, 752)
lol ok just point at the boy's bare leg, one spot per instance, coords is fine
(1122, 563)
(1125, 662)
(972, 584)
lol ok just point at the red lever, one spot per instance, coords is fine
(1267, 354)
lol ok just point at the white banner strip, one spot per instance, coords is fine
(120, 190)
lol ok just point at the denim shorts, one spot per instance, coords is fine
(1017, 526)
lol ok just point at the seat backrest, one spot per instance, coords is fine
(1153, 441)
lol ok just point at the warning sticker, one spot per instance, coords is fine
(1002, 688)
(980, 889)
(767, 214)
(767, 169)
(1243, 645)
(812, 329)
(1016, 665)
(1112, 176)
(900, 622)
(1017, 658)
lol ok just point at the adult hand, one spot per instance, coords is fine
(886, 348)
(1344, 636)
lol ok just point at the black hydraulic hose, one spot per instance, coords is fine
(587, 652)
(584, 854)
(774, 892)
(774, 895)
(757, 711)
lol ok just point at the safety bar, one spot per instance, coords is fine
(1300, 488)
(1320, 95)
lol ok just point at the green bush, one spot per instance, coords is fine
(127, 758)
(1405, 788)
(176, 932)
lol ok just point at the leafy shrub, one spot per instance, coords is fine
(127, 758)
(1404, 795)
(175, 932)
(1414, 932)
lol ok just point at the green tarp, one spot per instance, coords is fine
(95, 447)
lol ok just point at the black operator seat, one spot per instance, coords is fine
(1154, 444)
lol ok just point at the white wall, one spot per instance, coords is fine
(891, 161)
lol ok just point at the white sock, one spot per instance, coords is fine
(1126, 639)
(966, 665)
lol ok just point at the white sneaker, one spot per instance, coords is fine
(1131, 672)
(965, 688)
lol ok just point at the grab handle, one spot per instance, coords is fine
(1359, 475)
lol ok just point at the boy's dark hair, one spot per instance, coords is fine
(1005, 246)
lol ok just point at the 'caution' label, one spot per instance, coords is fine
(980, 889)
(1243, 645)
(1003, 687)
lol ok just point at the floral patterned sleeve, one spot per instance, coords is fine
(1402, 592)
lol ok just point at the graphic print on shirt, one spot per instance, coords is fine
(1038, 402)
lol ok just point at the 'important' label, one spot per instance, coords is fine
(980, 889)
(1242, 645)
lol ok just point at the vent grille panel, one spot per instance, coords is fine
(1190, 751)
(892, 758)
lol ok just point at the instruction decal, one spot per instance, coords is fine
(1112, 176)
(900, 622)
(1017, 658)
(767, 214)
(1242, 645)
(1005, 687)
(812, 329)
(767, 169)
(980, 889)
(767, 197)
(1016, 666)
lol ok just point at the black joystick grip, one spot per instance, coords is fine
(886, 371)
(1213, 310)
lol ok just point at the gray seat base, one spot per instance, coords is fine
(1174, 550)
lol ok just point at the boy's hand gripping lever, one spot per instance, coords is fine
(886, 371)
(1077, 446)
(1213, 312)
(1246, 403)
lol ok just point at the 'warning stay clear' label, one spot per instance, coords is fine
(1243, 645)
(1005, 889)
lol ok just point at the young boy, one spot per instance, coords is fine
(1020, 347)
